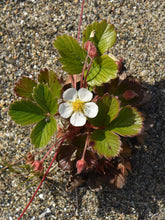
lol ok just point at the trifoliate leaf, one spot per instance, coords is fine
(24, 87)
(50, 78)
(43, 131)
(72, 55)
(128, 123)
(102, 71)
(105, 143)
(44, 98)
(104, 37)
(25, 112)
(109, 108)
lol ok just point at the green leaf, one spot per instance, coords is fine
(24, 87)
(44, 98)
(105, 143)
(105, 35)
(25, 112)
(128, 123)
(43, 131)
(109, 108)
(50, 78)
(72, 55)
(102, 72)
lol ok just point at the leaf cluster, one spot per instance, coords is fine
(117, 117)
(38, 105)
(73, 55)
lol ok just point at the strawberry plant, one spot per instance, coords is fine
(98, 109)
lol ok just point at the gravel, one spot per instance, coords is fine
(27, 31)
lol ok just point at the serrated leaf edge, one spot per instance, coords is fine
(142, 125)
(102, 155)
(18, 81)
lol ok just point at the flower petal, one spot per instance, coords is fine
(65, 110)
(78, 119)
(85, 95)
(91, 109)
(70, 94)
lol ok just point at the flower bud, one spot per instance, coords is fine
(119, 64)
(129, 94)
(37, 166)
(81, 165)
(87, 45)
(29, 158)
(91, 49)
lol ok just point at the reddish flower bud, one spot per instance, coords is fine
(93, 52)
(119, 64)
(29, 158)
(87, 45)
(91, 49)
(81, 165)
(129, 94)
(37, 166)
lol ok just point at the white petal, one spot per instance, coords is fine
(85, 95)
(70, 94)
(65, 110)
(78, 119)
(91, 109)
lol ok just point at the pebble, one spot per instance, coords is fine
(28, 30)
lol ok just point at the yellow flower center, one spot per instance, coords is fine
(78, 105)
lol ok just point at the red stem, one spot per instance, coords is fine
(79, 27)
(82, 74)
(71, 80)
(42, 179)
(95, 98)
(78, 38)
(51, 149)
(85, 84)
(85, 148)
(75, 81)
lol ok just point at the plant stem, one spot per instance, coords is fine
(82, 74)
(55, 155)
(95, 98)
(79, 27)
(75, 81)
(52, 148)
(86, 144)
(78, 38)
(85, 83)
(71, 80)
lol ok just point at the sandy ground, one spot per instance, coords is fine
(27, 31)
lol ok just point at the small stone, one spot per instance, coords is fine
(143, 73)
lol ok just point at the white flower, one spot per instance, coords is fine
(78, 106)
